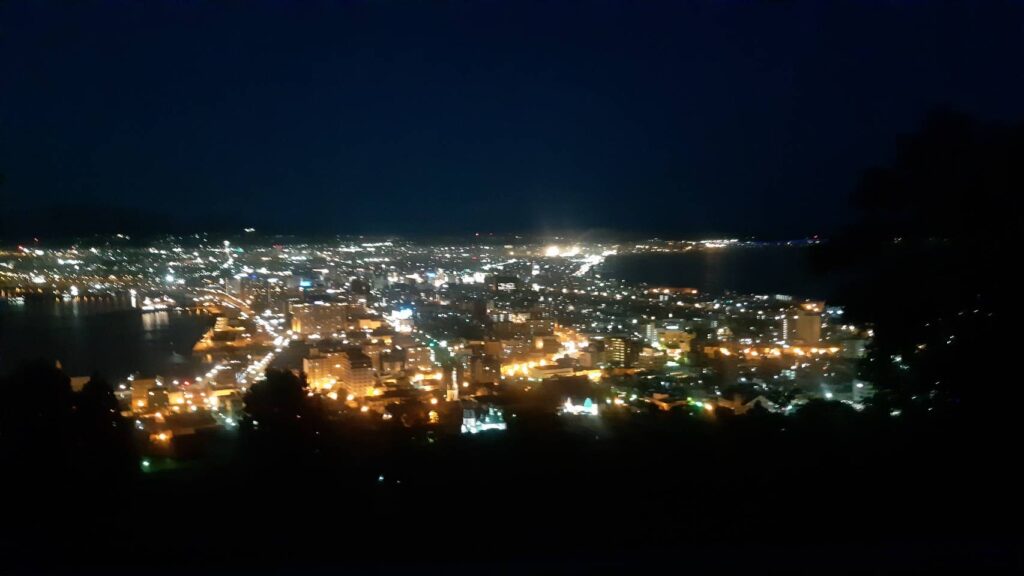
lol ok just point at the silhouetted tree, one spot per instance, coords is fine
(926, 262)
(281, 410)
(282, 396)
(49, 428)
(36, 415)
(104, 437)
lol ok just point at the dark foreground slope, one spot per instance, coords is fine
(827, 491)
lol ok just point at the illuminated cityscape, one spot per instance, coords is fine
(372, 325)
(507, 287)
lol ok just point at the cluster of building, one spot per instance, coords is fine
(450, 335)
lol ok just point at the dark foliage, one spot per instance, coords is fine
(283, 419)
(929, 261)
(104, 442)
(46, 428)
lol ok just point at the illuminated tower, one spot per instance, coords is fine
(452, 392)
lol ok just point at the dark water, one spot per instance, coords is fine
(104, 335)
(754, 270)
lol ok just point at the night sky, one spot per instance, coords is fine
(669, 118)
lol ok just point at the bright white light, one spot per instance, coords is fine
(589, 407)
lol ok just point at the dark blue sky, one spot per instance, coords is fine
(671, 118)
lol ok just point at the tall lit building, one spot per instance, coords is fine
(673, 337)
(357, 374)
(323, 371)
(419, 358)
(803, 324)
(651, 334)
(319, 318)
(621, 351)
(348, 369)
